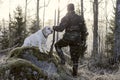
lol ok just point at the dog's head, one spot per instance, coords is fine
(47, 31)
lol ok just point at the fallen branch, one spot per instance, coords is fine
(8, 49)
(82, 66)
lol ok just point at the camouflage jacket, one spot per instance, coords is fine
(73, 25)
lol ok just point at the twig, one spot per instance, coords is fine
(82, 66)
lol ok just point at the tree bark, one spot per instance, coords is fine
(58, 19)
(117, 30)
(37, 27)
(44, 14)
(25, 12)
(82, 13)
(95, 26)
(106, 17)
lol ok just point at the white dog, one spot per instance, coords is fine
(39, 39)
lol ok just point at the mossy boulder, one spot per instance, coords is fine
(32, 54)
(20, 69)
(27, 63)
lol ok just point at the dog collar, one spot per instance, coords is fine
(44, 34)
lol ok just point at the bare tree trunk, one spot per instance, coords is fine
(58, 18)
(44, 14)
(10, 32)
(25, 12)
(95, 31)
(117, 30)
(37, 27)
(10, 41)
(82, 13)
(106, 17)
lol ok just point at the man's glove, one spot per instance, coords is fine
(55, 27)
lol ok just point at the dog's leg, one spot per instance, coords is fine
(41, 47)
(45, 49)
(26, 42)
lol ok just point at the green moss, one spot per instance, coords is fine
(17, 66)
(20, 51)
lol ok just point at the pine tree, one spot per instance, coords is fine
(4, 41)
(110, 37)
(33, 27)
(18, 29)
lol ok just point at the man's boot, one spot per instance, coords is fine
(75, 70)
(61, 55)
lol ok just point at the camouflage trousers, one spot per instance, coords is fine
(74, 52)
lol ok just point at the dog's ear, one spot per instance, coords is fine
(44, 30)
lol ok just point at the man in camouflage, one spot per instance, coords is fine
(75, 29)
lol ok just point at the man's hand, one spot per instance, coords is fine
(55, 27)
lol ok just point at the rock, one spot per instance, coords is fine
(27, 63)
(20, 69)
